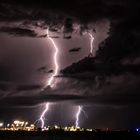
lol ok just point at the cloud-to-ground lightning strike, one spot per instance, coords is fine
(91, 43)
(43, 114)
(80, 108)
(77, 116)
(51, 79)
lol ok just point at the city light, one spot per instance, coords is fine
(1, 124)
(26, 126)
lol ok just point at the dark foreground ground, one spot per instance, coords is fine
(55, 135)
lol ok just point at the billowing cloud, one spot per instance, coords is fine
(111, 93)
(17, 31)
(65, 14)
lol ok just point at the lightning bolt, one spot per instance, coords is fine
(77, 116)
(43, 114)
(91, 43)
(51, 79)
(80, 108)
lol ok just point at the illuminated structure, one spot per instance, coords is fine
(25, 126)
(17, 125)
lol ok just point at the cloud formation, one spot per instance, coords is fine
(18, 31)
(75, 50)
(64, 14)
(110, 92)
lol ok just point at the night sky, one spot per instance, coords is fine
(106, 84)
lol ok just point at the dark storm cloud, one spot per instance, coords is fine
(124, 37)
(45, 35)
(50, 71)
(42, 36)
(75, 50)
(28, 87)
(5, 75)
(4, 87)
(99, 68)
(106, 82)
(28, 101)
(117, 56)
(43, 68)
(121, 45)
(68, 26)
(18, 31)
(120, 90)
(92, 94)
(54, 36)
(54, 13)
(67, 37)
(117, 100)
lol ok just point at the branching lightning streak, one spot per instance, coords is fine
(51, 79)
(43, 114)
(91, 42)
(77, 116)
(80, 108)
